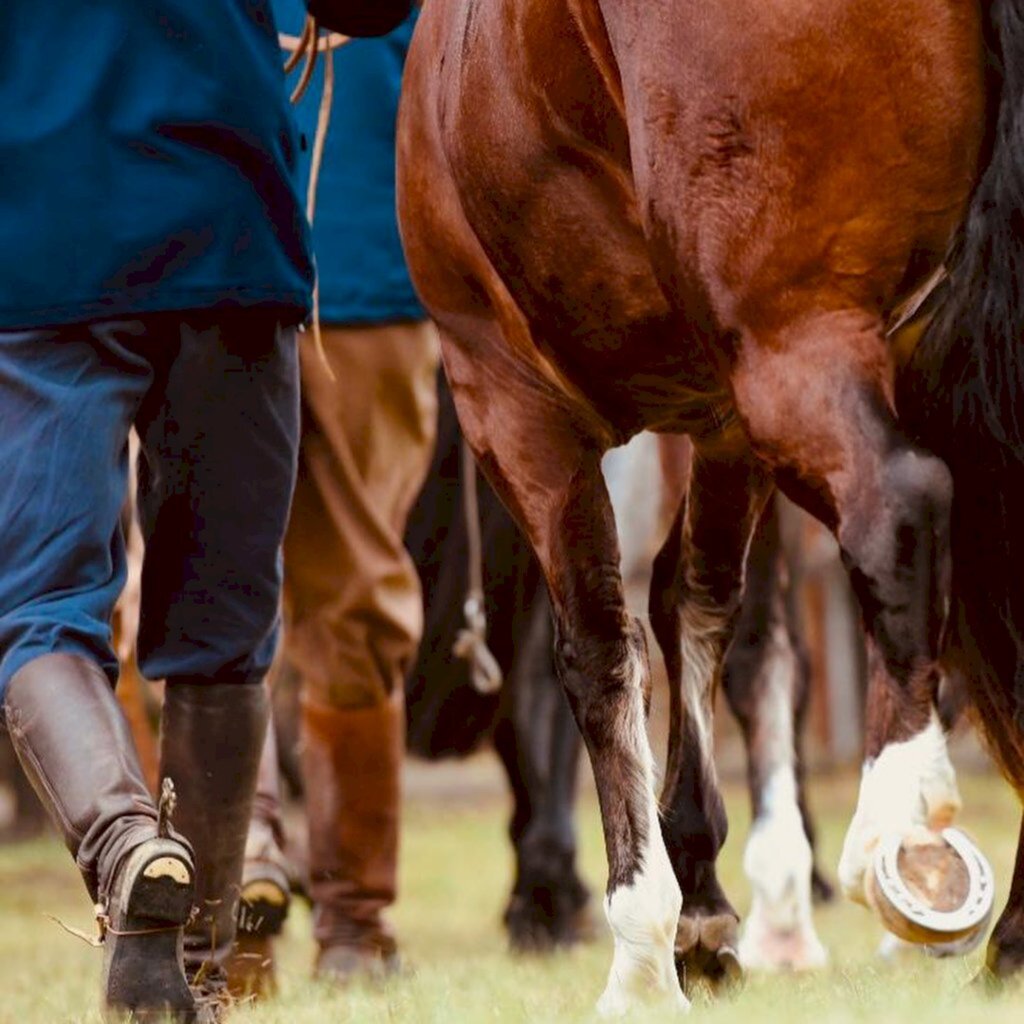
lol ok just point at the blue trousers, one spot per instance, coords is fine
(214, 398)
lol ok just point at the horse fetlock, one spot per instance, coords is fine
(779, 931)
(778, 859)
(908, 790)
(643, 914)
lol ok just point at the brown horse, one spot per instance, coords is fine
(700, 217)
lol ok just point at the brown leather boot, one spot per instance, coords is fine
(352, 760)
(211, 739)
(73, 741)
(266, 891)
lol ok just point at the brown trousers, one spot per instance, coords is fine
(352, 596)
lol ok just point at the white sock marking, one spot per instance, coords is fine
(909, 785)
(644, 915)
(779, 930)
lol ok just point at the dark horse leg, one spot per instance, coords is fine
(539, 745)
(696, 592)
(1005, 956)
(765, 682)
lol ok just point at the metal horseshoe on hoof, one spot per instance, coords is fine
(911, 917)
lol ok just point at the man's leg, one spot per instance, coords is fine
(354, 620)
(266, 891)
(219, 441)
(67, 399)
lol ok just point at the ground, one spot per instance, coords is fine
(456, 869)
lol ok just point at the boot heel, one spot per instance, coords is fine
(163, 891)
(263, 906)
(150, 903)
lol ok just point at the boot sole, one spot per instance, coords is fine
(263, 907)
(143, 972)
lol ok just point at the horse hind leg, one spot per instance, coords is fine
(1005, 955)
(695, 598)
(543, 459)
(763, 682)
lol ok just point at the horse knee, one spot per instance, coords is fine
(897, 549)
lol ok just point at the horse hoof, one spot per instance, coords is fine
(935, 890)
(547, 919)
(706, 951)
(776, 951)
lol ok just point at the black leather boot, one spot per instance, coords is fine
(211, 739)
(266, 888)
(74, 743)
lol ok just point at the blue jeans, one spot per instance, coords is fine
(214, 398)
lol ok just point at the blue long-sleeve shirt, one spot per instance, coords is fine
(148, 161)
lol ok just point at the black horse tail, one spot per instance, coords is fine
(963, 395)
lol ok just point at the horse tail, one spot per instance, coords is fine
(962, 393)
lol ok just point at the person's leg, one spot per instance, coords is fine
(266, 891)
(354, 612)
(67, 399)
(215, 479)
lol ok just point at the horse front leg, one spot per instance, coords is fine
(764, 682)
(815, 395)
(542, 453)
(696, 592)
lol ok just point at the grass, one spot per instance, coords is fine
(456, 871)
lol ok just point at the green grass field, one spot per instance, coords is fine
(456, 869)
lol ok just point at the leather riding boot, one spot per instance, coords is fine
(266, 890)
(211, 738)
(76, 748)
(352, 760)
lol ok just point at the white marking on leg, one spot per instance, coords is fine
(910, 786)
(779, 931)
(643, 915)
(701, 640)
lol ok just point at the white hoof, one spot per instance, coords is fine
(779, 933)
(777, 952)
(616, 1002)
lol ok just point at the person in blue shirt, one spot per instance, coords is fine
(154, 267)
(353, 606)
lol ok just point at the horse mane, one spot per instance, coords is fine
(962, 395)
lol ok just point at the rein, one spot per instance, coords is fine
(307, 49)
(471, 642)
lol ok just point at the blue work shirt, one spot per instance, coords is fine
(363, 277)
(148, 161)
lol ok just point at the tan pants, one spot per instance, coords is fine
(353, 606)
